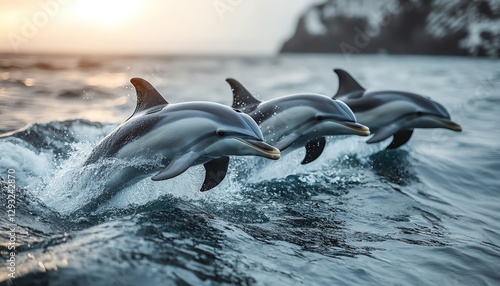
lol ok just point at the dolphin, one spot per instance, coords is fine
(299, 120)
(391, 113)
(167, 139)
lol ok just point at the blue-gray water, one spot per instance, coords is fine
(425, 214)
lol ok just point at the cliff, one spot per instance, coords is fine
(425, 27)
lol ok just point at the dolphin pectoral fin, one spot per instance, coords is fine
(242, 98)
(400, 138)
(287, 141)
(215, 172)
(177, 166)
(347, 84)
(384, 133)
(314, 148)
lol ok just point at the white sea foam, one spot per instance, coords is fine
(32, 168)
(66, 186)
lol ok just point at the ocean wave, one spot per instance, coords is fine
(357, 215)
(50, 156)
(84, 92)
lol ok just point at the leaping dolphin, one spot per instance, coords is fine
(300, 120)
(167, 139)
(391, 113)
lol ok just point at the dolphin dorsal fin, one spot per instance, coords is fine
(242, 98)
(147, 95)
(347, 84)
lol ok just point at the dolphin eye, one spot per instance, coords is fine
(237, 110)
(221, 133)
(319, 117)
(420, 113)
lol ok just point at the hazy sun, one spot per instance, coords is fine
(105, 12)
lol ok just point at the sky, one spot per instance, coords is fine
(223, 27)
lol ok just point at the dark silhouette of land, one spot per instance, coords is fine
(422, 27)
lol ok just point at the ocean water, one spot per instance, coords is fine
(425, 214)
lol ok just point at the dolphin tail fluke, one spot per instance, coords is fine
(400, 138)
(176, 166)
(242, 98)
(347, 84)
(215, 172)
(314, 148)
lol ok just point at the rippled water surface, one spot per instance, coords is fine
(425, 214)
